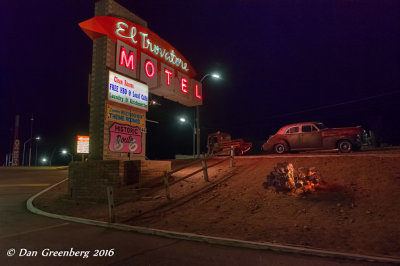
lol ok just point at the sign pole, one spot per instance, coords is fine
(198, 130)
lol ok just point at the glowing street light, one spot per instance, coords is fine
(44, 160)
(23, 153)
(64, 151)
(213, 75)
(154, 102)
(183, 121)
(197, 130)
(37, 140)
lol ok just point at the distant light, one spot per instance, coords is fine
(37, 138)
(44, 160)
(182, 119)
(64, 151)
(154, 102)
(217, 76)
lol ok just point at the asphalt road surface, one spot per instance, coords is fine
(29, 239)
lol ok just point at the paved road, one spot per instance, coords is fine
(34, 237)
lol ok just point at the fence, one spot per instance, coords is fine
(204, 168)
(167, 183)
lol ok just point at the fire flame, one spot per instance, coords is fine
(285, 177)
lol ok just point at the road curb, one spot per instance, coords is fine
(208, 239)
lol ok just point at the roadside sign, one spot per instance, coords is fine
(83, 144)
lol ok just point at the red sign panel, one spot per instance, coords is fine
(124, 138)
(138, 37)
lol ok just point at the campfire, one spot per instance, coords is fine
(285, 178)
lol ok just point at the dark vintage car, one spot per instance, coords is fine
(314, 136)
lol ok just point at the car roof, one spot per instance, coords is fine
(284, 128)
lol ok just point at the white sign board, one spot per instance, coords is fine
(126, 91)
(83, 144)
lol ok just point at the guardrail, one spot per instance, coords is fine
(204, 168)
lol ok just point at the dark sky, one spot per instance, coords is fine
(281, 62)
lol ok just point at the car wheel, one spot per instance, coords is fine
(345, 146)
(280, 148)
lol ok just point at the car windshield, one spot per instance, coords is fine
(320, 125)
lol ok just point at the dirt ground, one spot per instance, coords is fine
(360, 215)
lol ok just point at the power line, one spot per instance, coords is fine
(335, 105)
(317, 109)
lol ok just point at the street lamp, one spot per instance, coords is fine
(197, 130)
(30, 143)
(44, 160)
(154, 102)
(183, 120)
(66, 152)
(37, 140)
(23, 153)
(213, 75)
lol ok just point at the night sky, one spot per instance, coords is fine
(282, 62)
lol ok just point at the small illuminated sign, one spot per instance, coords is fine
(124, 138)
(83, 144)
(125, 116)
(126, 91)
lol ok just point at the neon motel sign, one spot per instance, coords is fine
(144, 56)
(123, 30)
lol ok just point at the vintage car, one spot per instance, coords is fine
(314, 136)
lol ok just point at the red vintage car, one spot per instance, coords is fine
(314, 136)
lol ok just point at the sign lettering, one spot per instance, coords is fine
(139, 36)
(132, 34)
(143, 55)
(125, 61)
(124, 90)
(125, 116)
(124, 138)
(83, 144)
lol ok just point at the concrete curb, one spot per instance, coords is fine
(209, 239)
(330, 155)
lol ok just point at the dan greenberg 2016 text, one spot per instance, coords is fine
(47, 252)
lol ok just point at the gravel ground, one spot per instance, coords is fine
(360, 215)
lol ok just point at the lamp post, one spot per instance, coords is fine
(183, 120)
(37, 140)
(44, 160)
(23, 153)
(197, 130)
(30, 144)
(66, 152)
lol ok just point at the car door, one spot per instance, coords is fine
(292, 136)
(310, 137)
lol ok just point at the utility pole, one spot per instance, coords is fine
(30, 142)
(197, 130)
(16, 143)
